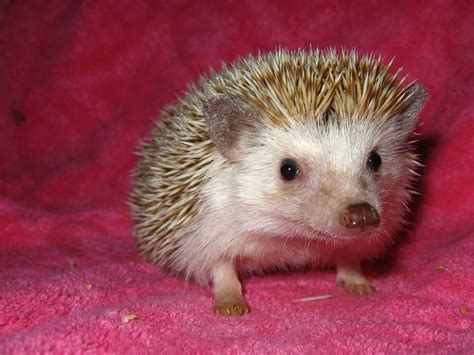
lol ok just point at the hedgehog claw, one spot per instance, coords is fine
(357, 289)
(231, 309)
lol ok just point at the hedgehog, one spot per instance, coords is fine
(279, 161)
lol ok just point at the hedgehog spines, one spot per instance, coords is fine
(281, 86)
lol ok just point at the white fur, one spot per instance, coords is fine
(252, 217)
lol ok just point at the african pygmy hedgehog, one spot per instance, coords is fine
(281, 160)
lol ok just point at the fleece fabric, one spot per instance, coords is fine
(81, 82)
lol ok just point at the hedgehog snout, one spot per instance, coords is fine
(359, 215)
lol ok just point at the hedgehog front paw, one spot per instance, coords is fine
(350, 277)
(231, 309)
(363, 289)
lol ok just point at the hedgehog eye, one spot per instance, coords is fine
(374, 161)
(289, 169)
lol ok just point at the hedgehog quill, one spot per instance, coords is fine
(279, 161)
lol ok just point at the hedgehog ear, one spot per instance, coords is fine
(227, 118)
(408, 113)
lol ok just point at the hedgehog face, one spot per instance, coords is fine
(338, 179)
(333, 177)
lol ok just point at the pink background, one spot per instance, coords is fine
(89, 78)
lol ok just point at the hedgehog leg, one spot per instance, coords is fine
(350, 277)
(227, 290)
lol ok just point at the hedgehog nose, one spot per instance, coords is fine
(360, 215)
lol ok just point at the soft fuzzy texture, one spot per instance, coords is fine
(82, 82)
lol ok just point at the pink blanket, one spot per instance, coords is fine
(81, 83)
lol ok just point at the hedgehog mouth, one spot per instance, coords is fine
(305, 230)
(339, 236)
